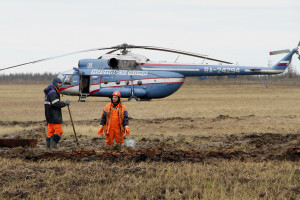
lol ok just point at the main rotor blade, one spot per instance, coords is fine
(122, 46)
(54, 57)
(109, 52)
(112, 51)
(178, 51)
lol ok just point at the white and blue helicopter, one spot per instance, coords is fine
(138, 78)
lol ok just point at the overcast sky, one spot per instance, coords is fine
(239, 31)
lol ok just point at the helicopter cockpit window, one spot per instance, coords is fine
(61, 76)
(68, 80)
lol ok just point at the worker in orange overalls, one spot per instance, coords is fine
(114, 121)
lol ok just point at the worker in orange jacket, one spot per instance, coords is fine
(114, 121)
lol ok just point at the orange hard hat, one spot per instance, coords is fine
(117, 93)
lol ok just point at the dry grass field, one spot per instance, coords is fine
(242, 108)
(218, 121)
(159, 180)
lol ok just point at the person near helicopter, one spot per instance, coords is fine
(53, 114)
(114, 121)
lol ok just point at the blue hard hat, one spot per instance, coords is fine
(56, 80)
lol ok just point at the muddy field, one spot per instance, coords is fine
(225, 122)
(195, 148)
(203, 142)
(233, 166)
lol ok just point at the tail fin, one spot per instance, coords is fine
(284, 62)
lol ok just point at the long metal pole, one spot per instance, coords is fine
(73, 126)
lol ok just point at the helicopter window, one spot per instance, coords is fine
(94, 79)
(61, 76)
(68, 80)
(117, 82)
(139, 82)
(105, 81)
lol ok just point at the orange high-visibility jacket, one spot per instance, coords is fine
(106, 117)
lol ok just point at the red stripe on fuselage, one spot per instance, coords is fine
(144, 79)
(64, 88)
(142, 84)
(94, 91)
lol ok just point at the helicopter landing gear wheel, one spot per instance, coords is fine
(132, 98)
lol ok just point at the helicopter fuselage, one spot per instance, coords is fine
(148, 80)
(99, 78)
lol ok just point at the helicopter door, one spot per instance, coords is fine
(94, 84)
(84, 84)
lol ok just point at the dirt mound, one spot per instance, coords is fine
(266, 146)
(154, 154)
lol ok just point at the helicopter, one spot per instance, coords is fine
(138, 78)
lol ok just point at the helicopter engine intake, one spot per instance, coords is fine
(98, 63)
(113, 63)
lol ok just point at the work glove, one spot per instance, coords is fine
(67, 102)
(127, 130)
(100, 130)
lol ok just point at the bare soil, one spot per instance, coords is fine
(193, 148)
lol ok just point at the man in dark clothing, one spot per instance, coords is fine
(53, 114)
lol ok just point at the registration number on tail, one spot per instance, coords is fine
(231, 70)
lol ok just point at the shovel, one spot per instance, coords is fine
(73, 126)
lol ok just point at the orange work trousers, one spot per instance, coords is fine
(54, 129)
(114, 133)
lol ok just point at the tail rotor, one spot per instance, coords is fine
(280, 52)
(296, 50)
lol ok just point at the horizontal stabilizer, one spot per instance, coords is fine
(279, 52)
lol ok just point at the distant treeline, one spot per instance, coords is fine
(28, 77)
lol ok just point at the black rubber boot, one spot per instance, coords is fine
(53, 144)
(48, 142)
(54, 140)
